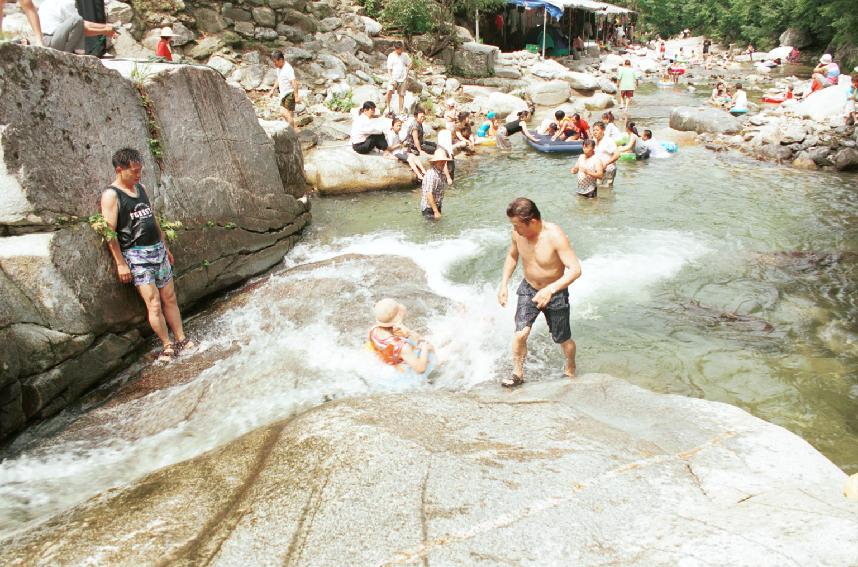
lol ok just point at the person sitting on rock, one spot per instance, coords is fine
(32, 14)
(513, 127)
(140, 250)
(398, 64)
(287, 84)
(740, 100)
(64, 29)
(367, 131)
(413, 136)
(397, 345)
(825, 74)
(720, 97)
(463, 135)
(398, 150)
(163, 49)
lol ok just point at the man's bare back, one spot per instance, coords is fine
(539, 257)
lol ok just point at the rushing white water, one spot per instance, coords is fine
(282, 363)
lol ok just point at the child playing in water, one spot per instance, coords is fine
(397, 345)
(588, 169)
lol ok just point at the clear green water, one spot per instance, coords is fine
(669, 254)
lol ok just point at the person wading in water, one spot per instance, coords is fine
(550, 267)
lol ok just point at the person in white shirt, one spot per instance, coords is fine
(611, 130)
(398, 64)
(32, 16)
(606, 151)
(400, 152)
(588, 169)
(367, 131)
(287, 84)
(64, 29)
(740, 100)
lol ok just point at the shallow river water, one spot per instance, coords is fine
(708, 275)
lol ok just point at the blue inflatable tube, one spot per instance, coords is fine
(671, 147)
(545, 145)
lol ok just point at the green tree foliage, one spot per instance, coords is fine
(411, 17)
(754, 21)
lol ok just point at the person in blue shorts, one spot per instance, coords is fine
(140, 250)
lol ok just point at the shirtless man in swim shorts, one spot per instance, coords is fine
(550, 267)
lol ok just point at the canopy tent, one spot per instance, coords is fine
(524, 29)
(555, 8)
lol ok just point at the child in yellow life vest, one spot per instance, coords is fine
(395, 344)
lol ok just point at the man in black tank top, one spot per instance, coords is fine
(140, 250)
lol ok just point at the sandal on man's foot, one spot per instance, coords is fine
(184, 344)
(167, 353)
(512, 381)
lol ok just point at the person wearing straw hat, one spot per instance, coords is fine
(825, 74)
(397, 345)
(433, 186)
(163, 49)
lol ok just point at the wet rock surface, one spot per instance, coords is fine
(216, 171)
(586, 471)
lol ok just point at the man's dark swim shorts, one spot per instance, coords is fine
(556, 312)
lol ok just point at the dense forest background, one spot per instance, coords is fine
(829, 24)
(823, 25)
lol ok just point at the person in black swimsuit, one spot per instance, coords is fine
(513, 127)
(140, 250)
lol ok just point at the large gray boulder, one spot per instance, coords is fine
(795, 37)
(599, 101)
(218, 173)
(594, 471)
(581, 81)
(342, 170)
(846, 159)
(686, 118)
(550, 93)
(290, 159)
(471, 59)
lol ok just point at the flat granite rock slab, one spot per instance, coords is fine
(590, 472)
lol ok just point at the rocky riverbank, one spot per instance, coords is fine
(809, 133)
(65, 322)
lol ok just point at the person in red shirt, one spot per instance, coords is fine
(163, 49)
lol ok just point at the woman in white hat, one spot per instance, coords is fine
(163, 49)
(397, 345)
(825, 74)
